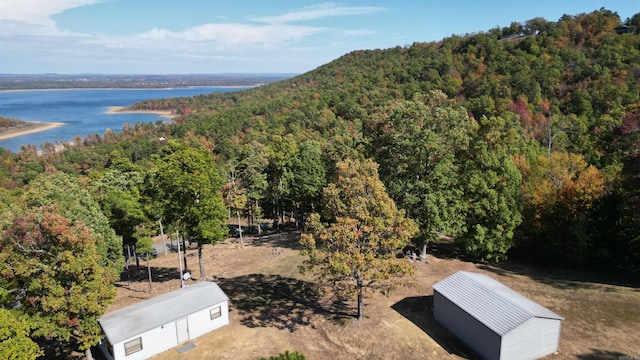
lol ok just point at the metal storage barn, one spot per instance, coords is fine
(494, 320)
(158, 324)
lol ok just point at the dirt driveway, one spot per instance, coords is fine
(273, 308)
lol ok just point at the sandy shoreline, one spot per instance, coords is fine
(30, 127)
(124, 110)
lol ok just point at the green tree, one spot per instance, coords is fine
(356, 248)
(144, 246)
(51, 267)
(279, 175)
(188, 182)
(254, 159)
(492, 190)
(118, 194)
(308, 176)
(418, 144)
(286, 356)
(15, 341)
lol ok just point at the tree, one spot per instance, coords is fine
(627, 253)
(15, 341)
(286, 356)
(188, 182)
(253, 161)
(118, 194)
(144, 246)
(52, 268)
(76, 204)
(418, 144)
(559, 193)
(492, 190)
(279, 176)
(356, 248)
(308, 176)
(235, 198)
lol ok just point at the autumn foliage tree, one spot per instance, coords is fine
(76, 204)
(52, 268)
(559, 192)
(355, 248)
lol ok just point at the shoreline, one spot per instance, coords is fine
(114, 110)
(30, 127)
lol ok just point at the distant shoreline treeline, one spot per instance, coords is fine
(97, 81)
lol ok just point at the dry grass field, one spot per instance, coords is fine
(273, 308)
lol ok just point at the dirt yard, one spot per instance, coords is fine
(273, 308)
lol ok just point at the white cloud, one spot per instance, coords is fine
(317, 12)
(231, 33)
(358, 32)
(37, 12)
(157, 34)
(29, 39)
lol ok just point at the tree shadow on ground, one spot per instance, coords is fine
(446, 249)
(54, 349)
(158, 274)
(275, 301)
(596, 354)
(284, 239)
(563, 278)
(418, 310)
(557, 276)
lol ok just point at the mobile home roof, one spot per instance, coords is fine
(136, 319)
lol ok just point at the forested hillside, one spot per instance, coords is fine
(563, 95)
(518, 141)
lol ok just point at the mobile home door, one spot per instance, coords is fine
(182, 330)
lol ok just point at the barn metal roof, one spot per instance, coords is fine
(496, 306)
(133, 320)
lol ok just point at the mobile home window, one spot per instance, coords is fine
(216, 313)
(133, 346)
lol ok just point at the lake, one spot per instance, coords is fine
(83, 111)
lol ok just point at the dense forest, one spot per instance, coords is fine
(550, 106)
(520, 141)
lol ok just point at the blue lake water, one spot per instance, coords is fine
(82, 111)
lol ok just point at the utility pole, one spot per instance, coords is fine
(179, 261)
(164, 244)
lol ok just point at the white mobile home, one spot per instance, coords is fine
(494, 320)
(158, 324)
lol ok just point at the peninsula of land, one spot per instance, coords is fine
(26, 127)
(126, 110)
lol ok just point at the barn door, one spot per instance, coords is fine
(182, 330)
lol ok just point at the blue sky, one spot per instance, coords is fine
(242, 36)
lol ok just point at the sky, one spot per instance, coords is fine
(242, 36)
